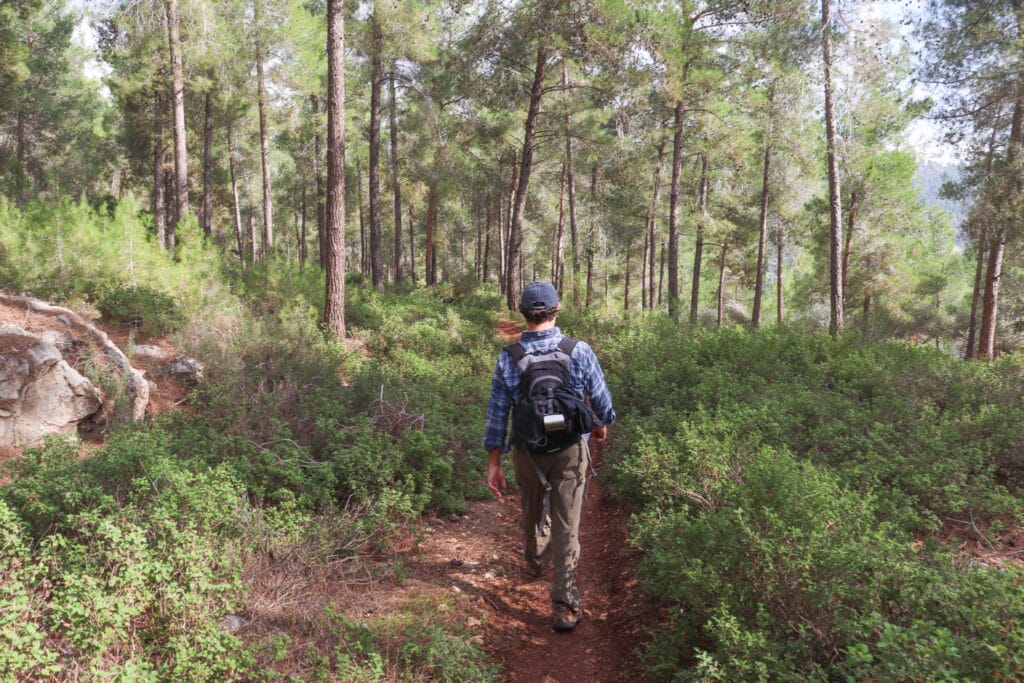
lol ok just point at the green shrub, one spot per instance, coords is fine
(149, 311)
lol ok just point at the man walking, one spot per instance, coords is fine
(553, 479)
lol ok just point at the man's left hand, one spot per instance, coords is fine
(599, 434)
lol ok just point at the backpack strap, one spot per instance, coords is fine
(567, 345)
(516, 352)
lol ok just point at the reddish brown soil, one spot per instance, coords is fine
(479, 556)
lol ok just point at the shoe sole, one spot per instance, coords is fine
(565, 627)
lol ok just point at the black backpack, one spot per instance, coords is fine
(550, 416)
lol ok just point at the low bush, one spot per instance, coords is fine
(787, 487)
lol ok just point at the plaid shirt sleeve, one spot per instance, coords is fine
(589, 375)
(498, 407)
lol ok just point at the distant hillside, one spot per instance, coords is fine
(929, 179)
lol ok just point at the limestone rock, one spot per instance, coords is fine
(188, 370)
(148, 351)
(40, 394)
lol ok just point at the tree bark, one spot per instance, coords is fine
(836, 293)
(486, 270)
(848, 239)
(318, 173)
(993, 276)
(254, 248)
(302, 232)
(208, 164)
(590, 277)
(652, 222)
(505, 224)
(698, 249)
(159, 181)
(721, 285)
(559, 250)
(979, 267)
(178, 97)
(412, 247)
(395, 186)
(376, 79)
(778, 276)
(625, 297)
(334, 308)
(364, 252)
(20, 154)
(643, 269)
(429, 250)
(762, 237)
(261, 103)
(679, 114)
(661, 274)
(515, 239)
(570, 181)
(234, 195)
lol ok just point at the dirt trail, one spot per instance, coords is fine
(480, 555)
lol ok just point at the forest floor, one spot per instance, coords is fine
(480, 555)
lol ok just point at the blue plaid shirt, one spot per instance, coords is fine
(586, 379)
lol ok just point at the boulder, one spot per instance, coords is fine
(188, 371)
(40, 394)
(136, 386)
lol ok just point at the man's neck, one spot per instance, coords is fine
(540, 327)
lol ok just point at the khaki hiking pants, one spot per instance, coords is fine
(552, 535)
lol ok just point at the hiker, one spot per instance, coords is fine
(550, 428)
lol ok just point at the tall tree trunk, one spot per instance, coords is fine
(515, 241)
(993, 276)
(778, 275)
(661, 275)
(673, 214)
(376, 80)
(848, 239)
(570, 181)
(170, 198)
(20, 155)
(428, 250)
(590, 277)
(503, 279)
(698, 249)
(318, 173)
(208, 164)
(159, 181)
(652, 223)
(762, 237)
(643, 269)
(364, 253)
(234, 195)
(395, 186)
(486, 272)
(334, 308)
(972, 325)
(261, 102)
(836, 293)
(254, 240)
(721, 285)
(412, 245)
(559, 251)
(178, 98)
(302, 232)
(625, 296)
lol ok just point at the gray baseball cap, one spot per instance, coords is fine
(537, 296)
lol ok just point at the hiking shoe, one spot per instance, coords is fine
(566, 618)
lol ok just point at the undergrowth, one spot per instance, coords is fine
(788, 492)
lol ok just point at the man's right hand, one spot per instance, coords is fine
(496, 480)
(495, 475)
